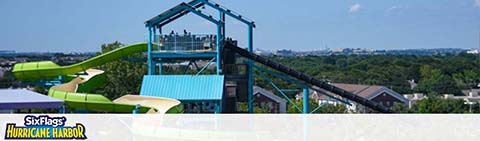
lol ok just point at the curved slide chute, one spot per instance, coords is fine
(49, 70)
(69, 92)
(99, 103)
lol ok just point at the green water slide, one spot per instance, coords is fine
(94, 102)
(48, 70)
(75, 92)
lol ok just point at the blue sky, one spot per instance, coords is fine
(67, 25)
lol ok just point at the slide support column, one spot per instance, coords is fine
(250, 70)
(151, 66)
(218, 45)
(306, 96)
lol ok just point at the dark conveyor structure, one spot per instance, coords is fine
(308, 79)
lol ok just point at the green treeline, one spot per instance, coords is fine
(433, 74)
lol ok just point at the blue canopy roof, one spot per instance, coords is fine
(25, 99)
(184, 87)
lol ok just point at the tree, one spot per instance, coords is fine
(327, 108)
(400, 107)
(433, 81)
(123, 77)
(330, 108)
(466, 80)
(435, 104)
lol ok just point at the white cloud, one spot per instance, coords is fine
(476, 3)
(354, 8)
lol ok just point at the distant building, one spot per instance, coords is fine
(263, 52)
(284, 52)
(471, 92)
(414, 98)
(266, 99)
(471, 95)
(412, 83)
(472, 98)
(7, 52)
(474, 51)
(379, 94)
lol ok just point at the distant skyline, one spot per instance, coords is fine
(80, 26)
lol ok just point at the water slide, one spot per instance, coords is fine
(49, 70)
(70, 91)
(306, 78)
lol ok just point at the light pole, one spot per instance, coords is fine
(470, 105)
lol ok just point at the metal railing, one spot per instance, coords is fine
(184, 43)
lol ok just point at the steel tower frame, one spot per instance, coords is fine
(156, 23)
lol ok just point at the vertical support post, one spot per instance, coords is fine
(306, 96)
(154, 63)
(154, 33)
(218, 45)
(250, 70)
(220, 106)
(220, 37)
(218, 50)
(160, 63)
(222, 19)
(151, 66)
(199, 107)
(159, 30)
(160, 67)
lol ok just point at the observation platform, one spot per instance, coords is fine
(184, 46)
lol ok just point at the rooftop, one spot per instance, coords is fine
(365, 91)
(184, 87)
(25, 99)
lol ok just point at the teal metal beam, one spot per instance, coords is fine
(250, 69)
(306, 96)
(228, 12)
(278, 89)
(203, 55)
(318, 107)
(276, 74)
(149, 62)
(181, 14)
(218, 42)
(206, 66)
(171, 14)
(222, 19)
(219, 39)
(290, 90)
(209, 18)
(164, 16)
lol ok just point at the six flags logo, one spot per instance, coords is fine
(44, 127)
